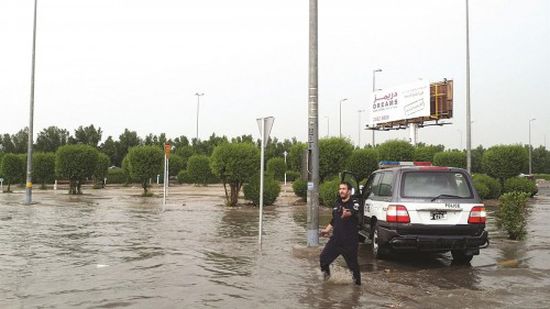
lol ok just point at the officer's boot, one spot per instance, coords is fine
(357, 277)
(326, 272)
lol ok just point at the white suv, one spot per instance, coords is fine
(419, 207)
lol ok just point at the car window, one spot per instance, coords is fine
(386, 185)
(424, 184)
(373, 185)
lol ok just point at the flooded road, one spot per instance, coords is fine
(112, 248)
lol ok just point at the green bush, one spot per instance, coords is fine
(334, 152)
(176, 164)
(520, 184)
(363, 162)
(75, 163)
(251, 190)
(145, 162)
(12, 169)
(328, 192)
(183, 177)
(296, 156)
(292, 175)
(43, 168)
(277, 168)
(198, 170)
(450, 159)
(504, 161)
(395, 150)
(426, 153)
(234, 164)
(185, 152)
(492, 185)
(482, 190)
(101, 169)
(117, 175)
(300, 188)
(512, 213)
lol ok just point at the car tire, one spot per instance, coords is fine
(378, 251)
(460, 257)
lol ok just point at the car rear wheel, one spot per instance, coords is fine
(379, 251)
(460, 257)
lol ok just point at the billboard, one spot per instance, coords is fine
(399, 103)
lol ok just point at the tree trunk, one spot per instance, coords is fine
(78, 187)
(145, 188)
(9, 185)
(226, 194)
(72, 187)
(234, 194)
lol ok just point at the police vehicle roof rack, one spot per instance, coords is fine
(389, 164)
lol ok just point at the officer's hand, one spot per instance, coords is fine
(324, 233)
(346, 213)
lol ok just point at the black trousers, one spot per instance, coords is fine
(349, 251)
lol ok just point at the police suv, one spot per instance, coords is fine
(414, 206)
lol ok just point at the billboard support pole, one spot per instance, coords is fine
(413, 131)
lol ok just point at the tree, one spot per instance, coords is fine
(101, 169)
(127, 140)
(20, 141)
(145, 162)
(271, 191)
(277, 168)
(426, 152)
(7, 143)
(12, 169)
(43, 168)
(198, 169)
(396, 150)
(363, 162)
(477, 156)
(334, 152)
(504, 161)
(234, 164)
(76, 163)
(176, 165)
(206, 147)
(450, 158)
(185, 152)
(296, 156)
(87, 135)
(51, 138)
(111, 149)
(541, 160)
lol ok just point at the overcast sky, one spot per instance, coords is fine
(138, 63)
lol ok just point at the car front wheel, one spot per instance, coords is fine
(378, 250)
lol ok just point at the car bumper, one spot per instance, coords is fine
(418, 237)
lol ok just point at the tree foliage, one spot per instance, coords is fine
(334, 152)
(12, 169)
(198, 169)
(43, 168)
(101, 169)
(396, 150)
(144, 163)
(453, 158)
(234, 164)
(276, 167)
(75, 163)
(272, 188)
(51, 138)
(363, 162)
(504, 161)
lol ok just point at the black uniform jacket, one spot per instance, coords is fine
(344, 230)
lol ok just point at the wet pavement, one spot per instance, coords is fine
(111, 248)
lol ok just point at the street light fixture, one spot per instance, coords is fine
(359, 127)
(530, 150)
(373, 90)
(341, 101)
(199, 95)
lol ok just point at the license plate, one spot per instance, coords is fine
(438, 215)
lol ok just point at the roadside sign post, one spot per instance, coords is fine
(285, 154)
(166, 176)
(1, 184)
(264, 124)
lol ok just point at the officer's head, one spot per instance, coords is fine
(344, 191)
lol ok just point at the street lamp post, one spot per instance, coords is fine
(530, 150)
(28, 187)
(359, 127)
(373, 90)
(341, 101)
(199, 95)
(468, 110)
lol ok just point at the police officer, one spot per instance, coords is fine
(344, 240)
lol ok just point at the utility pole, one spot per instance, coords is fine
(359, 128)
(468, 110)
(341, 101)
(313, 133)
(199, 95)
(374, 90)
(28, 187)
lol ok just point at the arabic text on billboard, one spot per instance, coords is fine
(400, 103)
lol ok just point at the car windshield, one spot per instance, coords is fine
(424, 184)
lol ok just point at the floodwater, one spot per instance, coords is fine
(111, 248)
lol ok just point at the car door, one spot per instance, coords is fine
(370, 194)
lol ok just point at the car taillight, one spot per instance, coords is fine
(397, 214)
(477, 215)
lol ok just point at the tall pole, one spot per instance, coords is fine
(341, 101)
(199, 95)
(468, 112)
(313, 132)
(373, 90)
(530, 148)
(28, 189)
(261, 182)
(359, 128)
